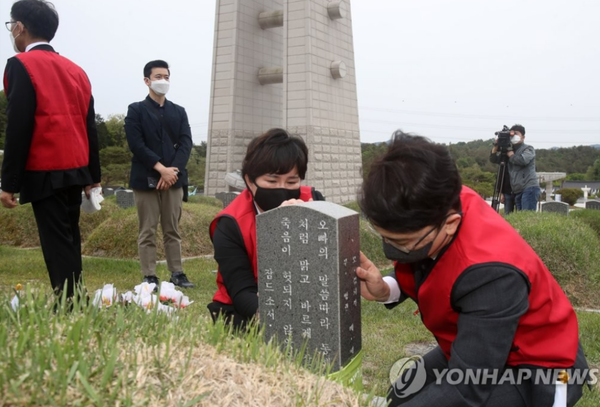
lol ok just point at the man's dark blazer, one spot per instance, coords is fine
(20, 115)
(146, 136)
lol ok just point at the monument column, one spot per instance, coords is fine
(241, 108)
(290, 64)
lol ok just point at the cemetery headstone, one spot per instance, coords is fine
(592, 205)
(226, 197)
(108, 191)
(308, 289)
(125, 198)
(556, 207)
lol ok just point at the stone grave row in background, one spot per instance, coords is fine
(556, 207)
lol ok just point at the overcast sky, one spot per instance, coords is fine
(450, 70)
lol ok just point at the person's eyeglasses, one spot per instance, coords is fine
(405, 249)
(402, 248)
(9, 25)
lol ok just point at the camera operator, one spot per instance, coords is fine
(507, 198)
(521, 168)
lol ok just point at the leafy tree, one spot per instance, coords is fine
(576, 176)
(593, 172)
(480, 181)
(116, 165)
(200, 149)
(115, 126)
(196, 170)
(370, 153)
(104, 139)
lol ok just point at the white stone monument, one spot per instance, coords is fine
(288, 64)
(586, 190)
(548, 177)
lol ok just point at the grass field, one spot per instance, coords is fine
(385, 337)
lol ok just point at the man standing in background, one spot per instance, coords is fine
(160, 138)
(51, 147)
(521, 168)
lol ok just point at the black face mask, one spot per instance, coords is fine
(411, 257)
(271, 198)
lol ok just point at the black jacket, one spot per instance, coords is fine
(149, 143)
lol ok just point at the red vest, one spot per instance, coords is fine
(547, 334)
(243, 212)
(63, 93)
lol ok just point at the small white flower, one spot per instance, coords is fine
(15, 303)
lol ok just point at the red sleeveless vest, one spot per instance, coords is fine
(547, 334)
(63, 93)
(243, 212)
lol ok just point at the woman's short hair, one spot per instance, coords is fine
(412, 186)
(275, 152)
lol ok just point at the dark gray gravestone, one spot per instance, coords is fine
(556, 207)
(592, 205)
(108, 191)
(307, 284)
(226, 197)
(125, 198)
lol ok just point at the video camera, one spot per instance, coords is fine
(503, 142)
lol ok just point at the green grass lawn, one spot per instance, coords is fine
(386, 333)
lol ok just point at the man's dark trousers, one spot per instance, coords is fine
(57, 218)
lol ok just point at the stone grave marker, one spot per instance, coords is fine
(108, 191)
(125, 198)
(307, 283)
(592, 205)
(556, 207)
(226, 197)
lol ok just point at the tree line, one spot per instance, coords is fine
(581, 163)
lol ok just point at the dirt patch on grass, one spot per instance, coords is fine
(217, 380)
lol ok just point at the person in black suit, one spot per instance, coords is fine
(159, 136)
(51, 147)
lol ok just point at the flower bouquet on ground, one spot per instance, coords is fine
(169, 298)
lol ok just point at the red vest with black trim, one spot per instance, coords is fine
(547, 334)
(242, 210)
(63, 93)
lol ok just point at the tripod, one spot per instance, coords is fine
(499, 183)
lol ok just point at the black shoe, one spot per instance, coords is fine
(152, 279)
(180, 280)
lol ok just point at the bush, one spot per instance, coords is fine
(570, 195)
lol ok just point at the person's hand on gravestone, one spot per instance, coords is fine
(372, 286)
(293, 202)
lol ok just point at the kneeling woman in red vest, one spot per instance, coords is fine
(503, 326)
(273, 168)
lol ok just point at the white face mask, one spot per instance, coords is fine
(160, 87)
(12, 40)
(515, 139)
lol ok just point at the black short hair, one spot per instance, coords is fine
(38, 16)
(159, 63)
(519, 128)
(412, 186)
(275, 152)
